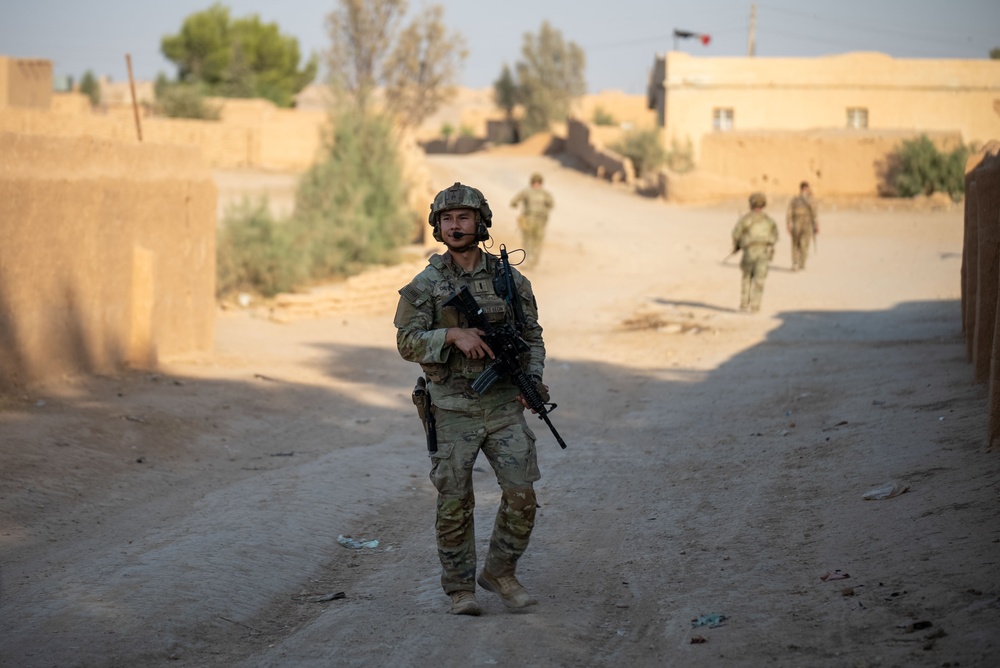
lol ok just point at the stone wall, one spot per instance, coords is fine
(835, 162)
(107, 258)
(251, 133)
(605, 163)
(25, 83)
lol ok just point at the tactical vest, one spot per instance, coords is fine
(445, 281)
(802, 211)
(759, 231)
(536, 203)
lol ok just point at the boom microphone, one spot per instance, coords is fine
(476, 236)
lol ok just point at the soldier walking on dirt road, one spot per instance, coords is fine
(802, 224)
(535, 202)
(452, 355)
(755, 234)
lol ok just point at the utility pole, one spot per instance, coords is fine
(752, 37)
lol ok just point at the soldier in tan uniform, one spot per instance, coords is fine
(802, 223)
(452, 355)
(755, 234)
(535, 202)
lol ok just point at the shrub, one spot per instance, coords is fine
(185, 101)
(644, 148)
(602, 117)
(350, 208)
(918, 168)
(90, 87)
(256, 253)
(350, 211)
(680, 158)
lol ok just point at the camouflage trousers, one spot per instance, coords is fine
(509, 445)
(532, 232)
(754, 265)
(801, 239)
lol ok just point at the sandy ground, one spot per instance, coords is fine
(717, 465)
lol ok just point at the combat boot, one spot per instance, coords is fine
(507, 588)
(465, 603)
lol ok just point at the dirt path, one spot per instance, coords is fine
(716, 464)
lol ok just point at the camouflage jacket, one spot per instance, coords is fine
(755, 229)
(422, 321)
(801, 213)
(536, 202)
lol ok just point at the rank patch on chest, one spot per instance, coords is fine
(481, 286)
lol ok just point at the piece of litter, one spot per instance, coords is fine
(834, 575)
(886, 491)
(711, 620)
(321, 598)
(347, 541)
(697, 640)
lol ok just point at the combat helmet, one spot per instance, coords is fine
(460, 196)
(758, 201)
(536, 178)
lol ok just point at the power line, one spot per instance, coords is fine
(826, 20)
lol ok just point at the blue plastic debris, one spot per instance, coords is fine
(347, 541)
(711, 620)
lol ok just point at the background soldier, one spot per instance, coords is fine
(802, 223)
(755, 234)
(452, 355)
(536, 202)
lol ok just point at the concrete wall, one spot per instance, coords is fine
(605, 163)
(922, 95)
(107, 255)
(25, 83)
(981, 276)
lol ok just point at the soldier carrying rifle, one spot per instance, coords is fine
(474, 403)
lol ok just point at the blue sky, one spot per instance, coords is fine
(620, 37)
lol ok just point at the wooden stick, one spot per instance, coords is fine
(135, 105)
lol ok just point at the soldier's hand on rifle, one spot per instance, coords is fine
(469, 341)
(543, 392)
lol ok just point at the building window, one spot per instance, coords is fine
(722, 119)
(857, 117)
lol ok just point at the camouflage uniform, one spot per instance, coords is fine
(755, 233)
(801, 221)
(536, 204)
(467, 422)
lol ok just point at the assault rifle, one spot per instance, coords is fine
(506, 343)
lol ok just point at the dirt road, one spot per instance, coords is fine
(717, 465)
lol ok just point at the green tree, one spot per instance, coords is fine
(350, 208)
(90, 87)
(506, 97)
(421, 71)
(238, 57)
(995, 53)
(549, 77)
(361, 34)
(416, 65)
